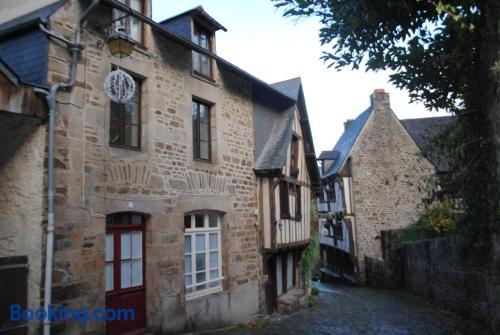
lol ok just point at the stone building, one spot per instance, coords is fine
(366, 185)
(156, 199)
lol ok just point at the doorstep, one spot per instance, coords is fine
(292, 301)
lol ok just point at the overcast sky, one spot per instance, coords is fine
(273, 48)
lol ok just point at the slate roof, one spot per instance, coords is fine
(273, 155)
(201, 14)
(329, 155)
(346, 141)
(30, 19)
(289, 87)
(421, 131)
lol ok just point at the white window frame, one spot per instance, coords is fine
(206, 231)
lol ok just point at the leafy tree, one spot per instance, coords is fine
(445, 53)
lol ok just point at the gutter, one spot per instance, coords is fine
(75, 48)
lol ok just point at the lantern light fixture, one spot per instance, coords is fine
(120, 44)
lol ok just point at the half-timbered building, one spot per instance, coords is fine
(286, 171)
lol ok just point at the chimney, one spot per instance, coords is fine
(379, 98)
(347, 123)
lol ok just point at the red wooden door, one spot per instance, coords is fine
(125, 282)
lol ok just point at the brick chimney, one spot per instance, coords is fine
(380, 98)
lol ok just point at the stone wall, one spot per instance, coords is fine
(438, 269)
(22, 204)
(384, 158)
(161, 180)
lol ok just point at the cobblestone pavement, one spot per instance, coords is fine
(354, 310)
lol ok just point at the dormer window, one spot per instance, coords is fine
(127, 23)
(202, 64)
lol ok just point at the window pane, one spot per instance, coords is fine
(125, 245)
(187, 244)
(135, 29)
(114, 132)
(205, 65)
(137, 272)
(196, 61)
(204, 131)
(108, 275)
(200, 243)
(214, 259)
(136, 219)
(188, 280)
(187, 221)
(204, 113)
(115, 111)
(200, 278)
(200, 262)
(213, 241)
(109, 247)
(214, 274)
(124, 219)
(203, 40)
(131, 112)
(187, 264)
(204, 150)
(137, 245)
(132, 135)
(126, 274)
(213, 221)
(199, 221)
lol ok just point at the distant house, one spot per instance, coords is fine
(365, 185)
(286, 171)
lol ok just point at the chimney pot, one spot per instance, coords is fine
(379, 91)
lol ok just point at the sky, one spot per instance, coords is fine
(273, 48)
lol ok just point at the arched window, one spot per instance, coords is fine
(202, 253)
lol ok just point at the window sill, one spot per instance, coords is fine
(193, 296)
(204, 78)
(124, 147)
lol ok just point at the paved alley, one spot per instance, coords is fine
(354, 310)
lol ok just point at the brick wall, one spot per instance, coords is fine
(383, 159)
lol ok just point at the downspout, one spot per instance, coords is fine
(75, 48)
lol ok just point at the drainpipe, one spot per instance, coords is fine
(75, 48)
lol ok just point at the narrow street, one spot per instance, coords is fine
(355, 310)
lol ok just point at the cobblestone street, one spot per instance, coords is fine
(355, 310)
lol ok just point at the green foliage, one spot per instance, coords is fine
(314, 291)
(308, 260)
(445, 54)
(422, 42)
(440, 218)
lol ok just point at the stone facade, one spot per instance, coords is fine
(160, 180)
(384, 159)
(22, 206)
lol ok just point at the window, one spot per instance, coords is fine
(129, 24)
(125, 121)
(330, 193)
(290, 201)
(201, 131)
(202, 64)
(294, 157)
(202, 254)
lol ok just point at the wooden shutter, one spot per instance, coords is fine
(14, 290)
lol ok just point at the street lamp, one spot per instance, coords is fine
(120, 44)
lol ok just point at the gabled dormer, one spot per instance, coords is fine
(199, 27)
